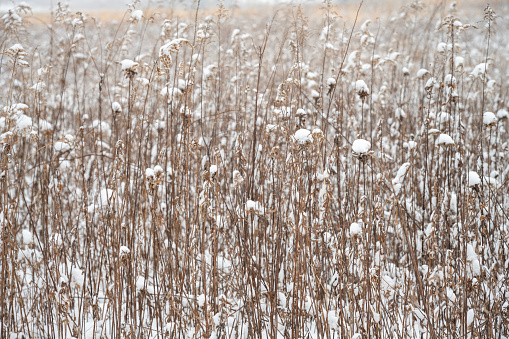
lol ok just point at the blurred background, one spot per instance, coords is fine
(47, 5)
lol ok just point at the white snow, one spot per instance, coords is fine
(402, 172)
(136, 15)
(60, 146)
(44, 125)
(422, 72)
(355, 229)
(470, 317)
(173, 46)
(430, 83)
(473, 179)
(398, 181)
(473, 260)
(158, 170)
(303, 136)
(149, 173)
(450, 295)
(23, 122)
(443, 117)
(300, 112)
(78, 277)
(28, 237)
(124, 250)
(254, 206)
(128, 65)
(116, 107)
(444, 140)
(361, 146)
(412, 144)
(489, 119)
(502, 113)
(361, 88)
(479, 70)
(200, 300)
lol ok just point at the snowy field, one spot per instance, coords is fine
(297, 172)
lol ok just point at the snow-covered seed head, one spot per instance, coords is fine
(136, 16)
(444, 140)
(331, 84)
(429, 85)
(15, 51)
(489, 119)
(473, 179)
(116, 107)
(303, 136)
(355, 229)
(315, 95)
(123, 252)
(360, 149)
(362, 89)
(237, 179)
(129, 68)
(301, 113)
(171, 47)
(422, 73)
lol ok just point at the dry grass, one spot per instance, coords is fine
(218, 188)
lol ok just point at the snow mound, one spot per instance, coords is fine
(422, 72)
(303, 136)
(355, 229)
(361, 88)
(489, 119)
(444, 140)
(473, 179)
(128, 64)
(254, 206)
(361, 146)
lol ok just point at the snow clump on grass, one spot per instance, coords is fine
(303, 136)
(400, 177)
(473, 179)
(361, 146)
(149, 173)
(136, 15)
(355, 229)
(489, 119)
(128, 65)
(254, 206)
(124, 251)
(361, 88)
(444, 140)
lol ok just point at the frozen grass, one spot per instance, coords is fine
(167, 177)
